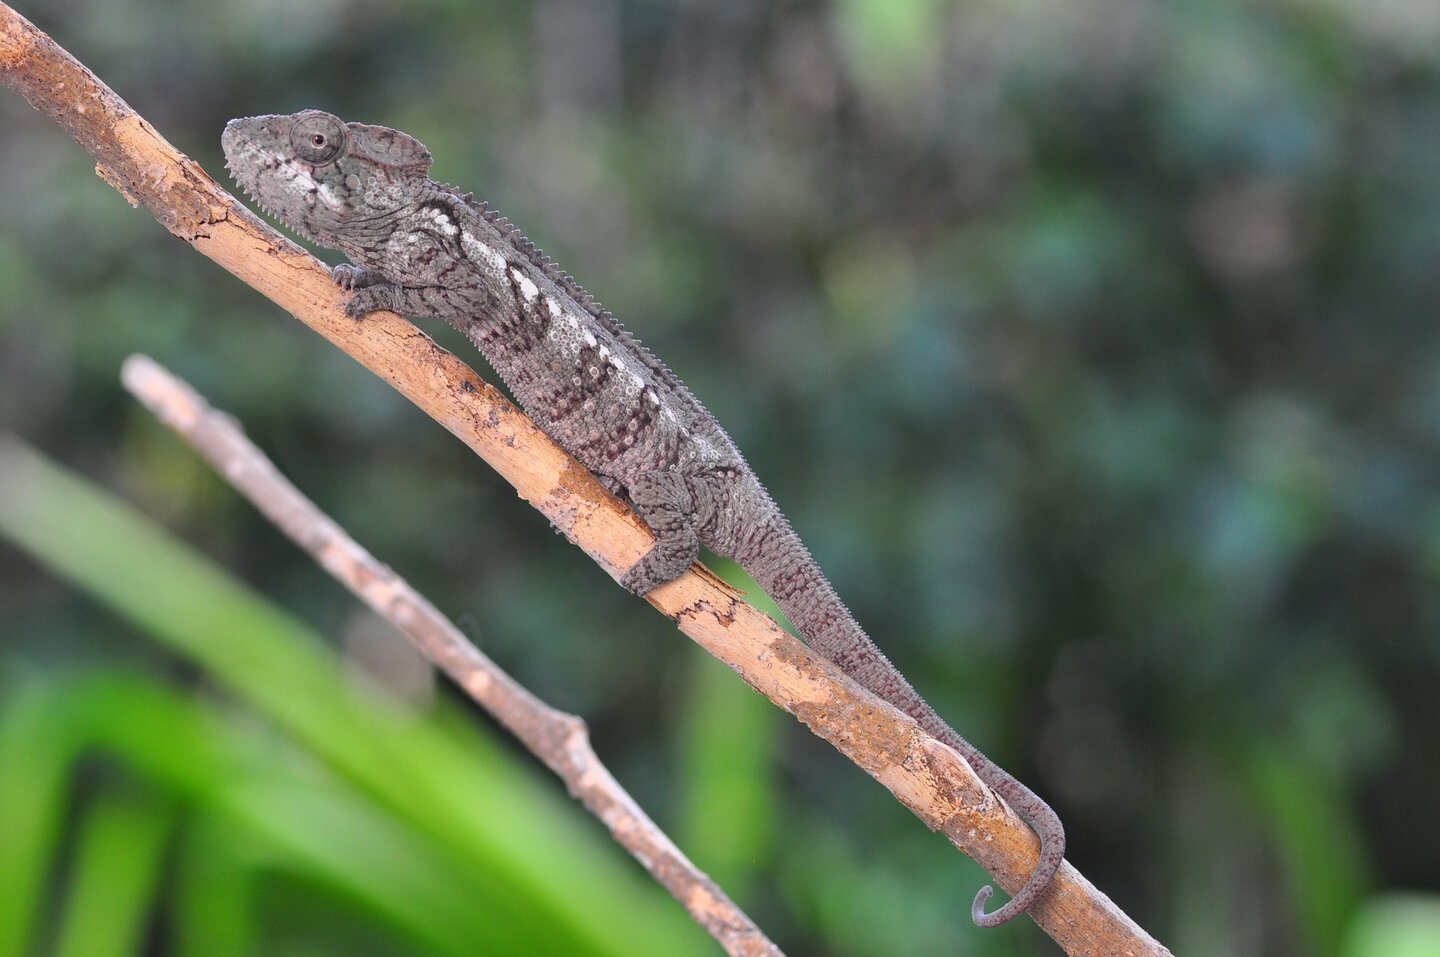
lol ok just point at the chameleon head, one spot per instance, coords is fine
(324, 177)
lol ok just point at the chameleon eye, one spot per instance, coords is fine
(317, 137)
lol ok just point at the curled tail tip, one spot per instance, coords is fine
(977, 908)
(1011, 909)
(1052, 856)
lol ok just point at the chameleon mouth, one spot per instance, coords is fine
(240, 141)
(253, 164)
(250, 165)
(243, 157)
(250, 193)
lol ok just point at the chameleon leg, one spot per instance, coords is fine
(350, 276)
(414, 301)
(372, 293)
(664, 500)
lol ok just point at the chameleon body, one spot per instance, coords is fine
(422, 249)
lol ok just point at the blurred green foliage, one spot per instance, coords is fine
(1089, 345)
(430, 826)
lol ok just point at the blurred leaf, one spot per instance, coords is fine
(214, 905)
(1322, 849)
(34, 755)
(727, 748)
(274, 822)
(1395, 925)
(115, 878)
(508, 828)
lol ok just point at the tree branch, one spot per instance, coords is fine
(560, 740)
(924, 775)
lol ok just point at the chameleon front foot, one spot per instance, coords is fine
(371, 292)
(349, 276)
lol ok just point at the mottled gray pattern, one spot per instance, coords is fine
(423, 249)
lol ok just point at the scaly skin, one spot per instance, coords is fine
(421, 248)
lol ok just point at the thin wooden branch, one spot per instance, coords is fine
(924, 775)
(560, 740)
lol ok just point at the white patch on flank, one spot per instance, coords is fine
(444, 222)
(480, 252)
(565, 332)
(527, 288)
(569, 333)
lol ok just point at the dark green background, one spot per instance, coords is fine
(1091, 346)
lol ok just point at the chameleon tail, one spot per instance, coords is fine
(776, 558)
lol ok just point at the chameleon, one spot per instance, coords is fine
(424, 249)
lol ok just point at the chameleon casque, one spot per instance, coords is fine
(423, 249)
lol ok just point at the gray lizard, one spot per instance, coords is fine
(422, 249)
